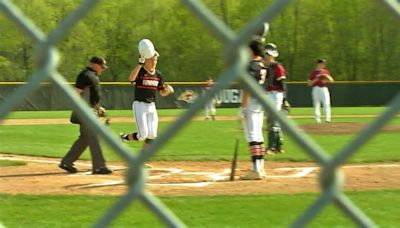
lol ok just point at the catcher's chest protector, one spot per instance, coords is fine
(271, 77)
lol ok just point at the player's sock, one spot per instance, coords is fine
(254, 159)
(258, 164)
(134, 136)
(257, 151)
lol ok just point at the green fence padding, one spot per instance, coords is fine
(120, 96)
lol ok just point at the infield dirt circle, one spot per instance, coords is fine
(42, 176)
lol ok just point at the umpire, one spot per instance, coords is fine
(87, 86)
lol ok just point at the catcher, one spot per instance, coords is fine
(277, 91)
(147, 81)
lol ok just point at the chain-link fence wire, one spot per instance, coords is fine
(236, 59)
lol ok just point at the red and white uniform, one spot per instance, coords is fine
(320, 94)
(275, 74)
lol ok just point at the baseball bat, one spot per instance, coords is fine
(234, 160)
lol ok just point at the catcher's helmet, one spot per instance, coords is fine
(271, 49)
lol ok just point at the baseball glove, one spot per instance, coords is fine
(286, 105)
(169, 88)
(217, 102)
(101, 112)
(323, 76)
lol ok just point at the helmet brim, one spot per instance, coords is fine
(273, 53)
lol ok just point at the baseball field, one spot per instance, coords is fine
(190, 173)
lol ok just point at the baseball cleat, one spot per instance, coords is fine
(102, 170)
(253, 175)
(273, 151)
(68, 168)
(123, 137)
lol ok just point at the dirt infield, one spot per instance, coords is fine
(42, 176)
(161, 119)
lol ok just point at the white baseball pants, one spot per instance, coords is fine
(146, 119)
(253, 123)
(321, 95)
(210, 109)
(277, 98)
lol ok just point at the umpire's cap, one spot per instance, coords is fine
(271, 49)
(99, 60)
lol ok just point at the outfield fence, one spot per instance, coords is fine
(236, 58)
(119, 96)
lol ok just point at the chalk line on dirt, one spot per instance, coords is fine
(299, 172)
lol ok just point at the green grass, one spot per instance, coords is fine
(199, 140)
(277, 210)
(174, 112)
(4, 163)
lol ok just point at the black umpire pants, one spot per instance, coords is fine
(86, 138)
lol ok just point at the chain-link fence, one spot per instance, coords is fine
(235, 58)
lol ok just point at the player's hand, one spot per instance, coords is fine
(242, 113)
(323, 77)
(169, 88)
(101, 112)
(141, 60)
(286, 105)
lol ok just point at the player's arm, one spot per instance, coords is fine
(134, 73)
(284, 88)
(167, 90)
(164, 88)
(326, 77)
(78, 91)
(312, 82)
(245, 99)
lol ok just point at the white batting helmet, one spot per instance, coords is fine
(146, 49)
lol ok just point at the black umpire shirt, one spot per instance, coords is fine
(89, 82)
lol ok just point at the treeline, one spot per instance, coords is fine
(359, 38)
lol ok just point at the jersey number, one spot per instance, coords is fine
(263, 74)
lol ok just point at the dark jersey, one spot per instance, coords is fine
(88, 81)
(147, 85)
(275, 74)
(257, 70)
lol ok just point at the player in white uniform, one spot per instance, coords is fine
(319, 80)
(253, 114)
(147, 81)
(209, 109)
